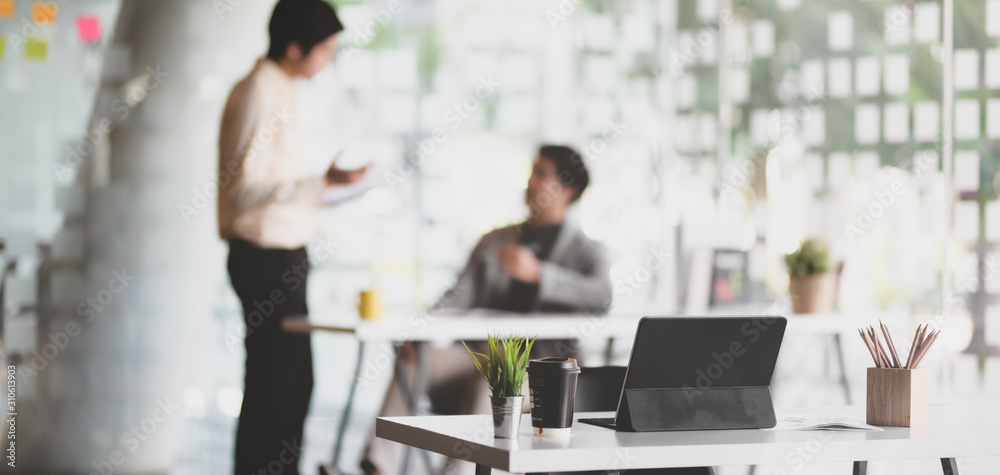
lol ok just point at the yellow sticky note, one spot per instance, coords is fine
(36, 48)
(6, 8)
(44, 13)
(3, 46)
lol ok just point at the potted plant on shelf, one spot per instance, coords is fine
(811, 283)
(504, 370)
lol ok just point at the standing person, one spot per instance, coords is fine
(267, 213)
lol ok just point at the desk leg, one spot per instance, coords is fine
(609, 351)
(349, 405)
(861, 468)
(843, 369)
(483, 469)
(412, 393)
(949, 466)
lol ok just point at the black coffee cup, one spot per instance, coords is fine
(552, 388)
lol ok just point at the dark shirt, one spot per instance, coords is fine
(521, 296)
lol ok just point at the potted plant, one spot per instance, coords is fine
(504, 370)
(811, 285)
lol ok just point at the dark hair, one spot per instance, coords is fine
(570, 168)
(305, 22)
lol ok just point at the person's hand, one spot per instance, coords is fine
(337, 176)
(519, 263)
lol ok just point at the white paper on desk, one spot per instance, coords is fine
(993, 69)
(815, 422)
(339, 193)
(966, 68)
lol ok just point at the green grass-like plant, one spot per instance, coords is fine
(505, 368)
(812, 258)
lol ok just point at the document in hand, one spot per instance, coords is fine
(339, 193)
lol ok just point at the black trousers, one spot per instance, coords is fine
(271, 284)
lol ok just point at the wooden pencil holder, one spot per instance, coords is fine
(898, 397)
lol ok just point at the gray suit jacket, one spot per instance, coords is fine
(574, 278)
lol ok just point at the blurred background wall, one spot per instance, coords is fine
(782, 121)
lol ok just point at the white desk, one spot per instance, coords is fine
(954, 431)
(453, 327)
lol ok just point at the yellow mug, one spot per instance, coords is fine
(370, 304)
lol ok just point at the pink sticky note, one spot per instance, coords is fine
(88, 28)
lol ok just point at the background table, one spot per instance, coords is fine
(954, 431)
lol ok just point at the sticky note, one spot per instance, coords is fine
(44, 13)
(813, 163)
(925, 121)
(993, 68)
(758, 126)
(897, 25)
(896, 118)
(993, 221)
(6, 8)
(3, 46)
(966, 63)
(840, 31)
(896, 74)
(814, 129)
(811, 78)
(708, 9)
(966, 170)
(866, 75)
(993, 17)
(866, 123)
(88, 28)
(993, 118)
(763, 38)
(839, 169)
(36, 48)
(739, 85)
(927, 22)
(866, 165)
(839, 77)
(966, 119)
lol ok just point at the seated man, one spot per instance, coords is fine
(545, 264)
